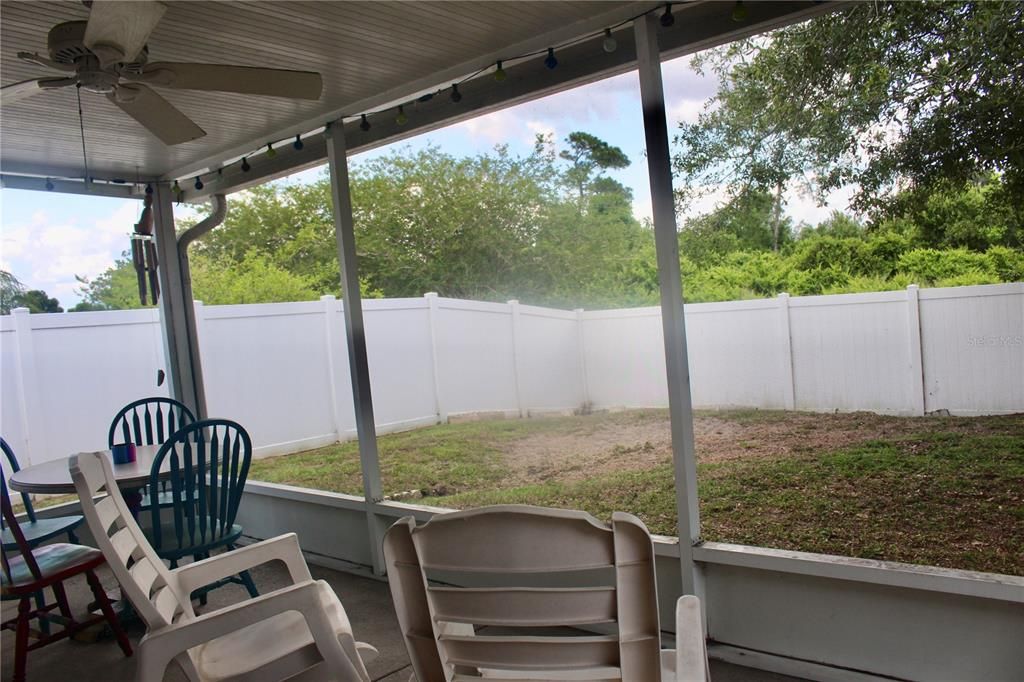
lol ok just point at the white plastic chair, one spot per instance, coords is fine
(300, 630)
(559, 595)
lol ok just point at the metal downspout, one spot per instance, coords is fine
(219, 210)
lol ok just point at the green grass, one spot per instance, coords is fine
(942, 491)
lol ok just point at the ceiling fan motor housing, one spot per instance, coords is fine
(66, 45)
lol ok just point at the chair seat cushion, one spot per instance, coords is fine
(41, 530)
(52, 559)
(238, 655)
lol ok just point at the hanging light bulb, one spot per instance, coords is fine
(49, 185)
(499, 73)
(271, 152)
(199, 183)
(456, 95)
(739, 11)
(667, 19)
(364, 124)
(245, 165)
(149, 188)
(551, 61)
(176, 188)
(401, 119)
(609, 44)
(297, 145)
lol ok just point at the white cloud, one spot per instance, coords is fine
(46, 252)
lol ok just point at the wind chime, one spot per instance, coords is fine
(144, 253)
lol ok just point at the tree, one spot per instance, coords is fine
(588, 155)
(11, 290)
(114, 289)
(880, 95)
(37, 301)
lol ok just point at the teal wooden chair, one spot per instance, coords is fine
(36, 530)
(208, 462)
(149, 421)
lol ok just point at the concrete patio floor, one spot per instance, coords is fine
(366, 600)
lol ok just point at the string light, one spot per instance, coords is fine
(176, 188)
(551, 61)
(49, 185)
(609, 44)
(667, 19)
(739, 11)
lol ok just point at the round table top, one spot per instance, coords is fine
(54, 477)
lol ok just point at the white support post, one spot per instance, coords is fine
(581, 350)
(666, 238)
(432, 320)
(355, 332)
(517, 354)
(916, 364)
(333, 339)
(35, 447)
(786, 351)
(181, 344)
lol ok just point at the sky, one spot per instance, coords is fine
(48, 239)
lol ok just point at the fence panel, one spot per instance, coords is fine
(735, 355)
(624, 355)
(88, 366)
(265, 366)
(973, 349)
(475, 357)
(549, 360)
(851, 352)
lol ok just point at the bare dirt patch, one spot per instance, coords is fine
(640, 440)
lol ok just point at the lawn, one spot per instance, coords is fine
(944, 491)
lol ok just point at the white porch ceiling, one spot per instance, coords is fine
(369, 53)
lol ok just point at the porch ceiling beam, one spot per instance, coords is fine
(698, 26)
(100, 189)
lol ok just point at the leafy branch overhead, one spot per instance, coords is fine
(882, 96)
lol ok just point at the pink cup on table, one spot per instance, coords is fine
(123, 453)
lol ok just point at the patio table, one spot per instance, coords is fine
(54, 478)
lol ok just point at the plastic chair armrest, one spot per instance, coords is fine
(691, 647)
(281, 548)
(160, 647)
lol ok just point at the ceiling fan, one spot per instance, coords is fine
(108, 55)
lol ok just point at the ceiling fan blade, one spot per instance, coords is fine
(156, 114)
(16, 91)
(241, 79)
(118, 30)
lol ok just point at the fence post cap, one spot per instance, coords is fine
(911, 287)
(513, 301)
(430, 294)
(20, 311)
(328, 297)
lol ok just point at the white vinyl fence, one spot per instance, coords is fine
(282, 369)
